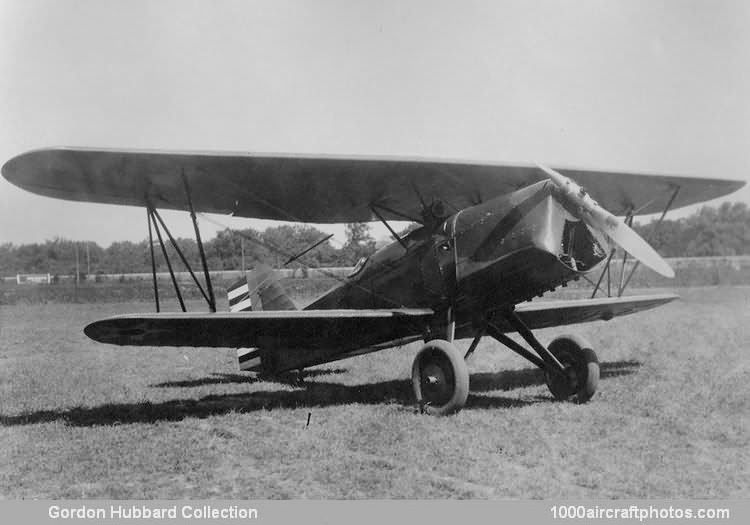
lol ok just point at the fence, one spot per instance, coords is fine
(222, 275)
(33, 278)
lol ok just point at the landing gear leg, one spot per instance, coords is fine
(475, 343)
(570, 365)
(581, 368)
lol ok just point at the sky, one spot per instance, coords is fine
(654, 86)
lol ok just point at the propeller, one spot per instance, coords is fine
(601, 220)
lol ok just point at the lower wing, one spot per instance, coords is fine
(350, 329)
(546, 314)
(301, 329)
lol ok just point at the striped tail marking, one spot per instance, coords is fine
(249, 359)
(240, 301)
(239, 297)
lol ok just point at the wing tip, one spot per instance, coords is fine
(9, 169)
(738, 185)
(21, 170)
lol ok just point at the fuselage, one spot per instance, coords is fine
(482, 258)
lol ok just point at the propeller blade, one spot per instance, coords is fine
(636, 246)
(600, 219)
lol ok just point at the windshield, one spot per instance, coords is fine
(358, 267)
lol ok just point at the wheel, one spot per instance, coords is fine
(581, 367)
(440, 378)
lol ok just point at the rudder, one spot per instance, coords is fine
(259, 290)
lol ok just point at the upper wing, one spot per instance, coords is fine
(320, 189)
(546, 314)
(290, 329)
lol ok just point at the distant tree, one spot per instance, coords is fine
(224, 251)
(128, 257)
(255, 251)
(287, 241)
(96, 254)
(666, 238)
(709, 231)
(359, 243)
(33, 258)
(719, 231)
(8, 261)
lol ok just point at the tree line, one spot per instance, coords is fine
(722, 231)
(273, 246)
(711, 231)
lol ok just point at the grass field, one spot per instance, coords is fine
(83, 420)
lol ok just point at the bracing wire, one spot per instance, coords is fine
(284, 253)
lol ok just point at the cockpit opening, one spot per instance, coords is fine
(358, 267)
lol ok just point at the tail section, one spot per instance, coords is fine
(258, 290)
(239, 297)
(265, 290)
(249, 359)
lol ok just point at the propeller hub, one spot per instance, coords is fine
(580, 203)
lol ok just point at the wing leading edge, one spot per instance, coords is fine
(321, 189)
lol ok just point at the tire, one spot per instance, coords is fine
(440, 378)
(582, 367)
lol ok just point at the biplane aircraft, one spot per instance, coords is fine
(492, 237)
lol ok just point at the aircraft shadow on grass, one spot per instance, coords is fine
(314, 394)
(223, 379)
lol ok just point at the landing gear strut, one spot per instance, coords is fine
(440, 377)
(570, 365)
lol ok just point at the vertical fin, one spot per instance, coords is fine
(259, 289)
(238, 294)
(239, 298)
(265, 291)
